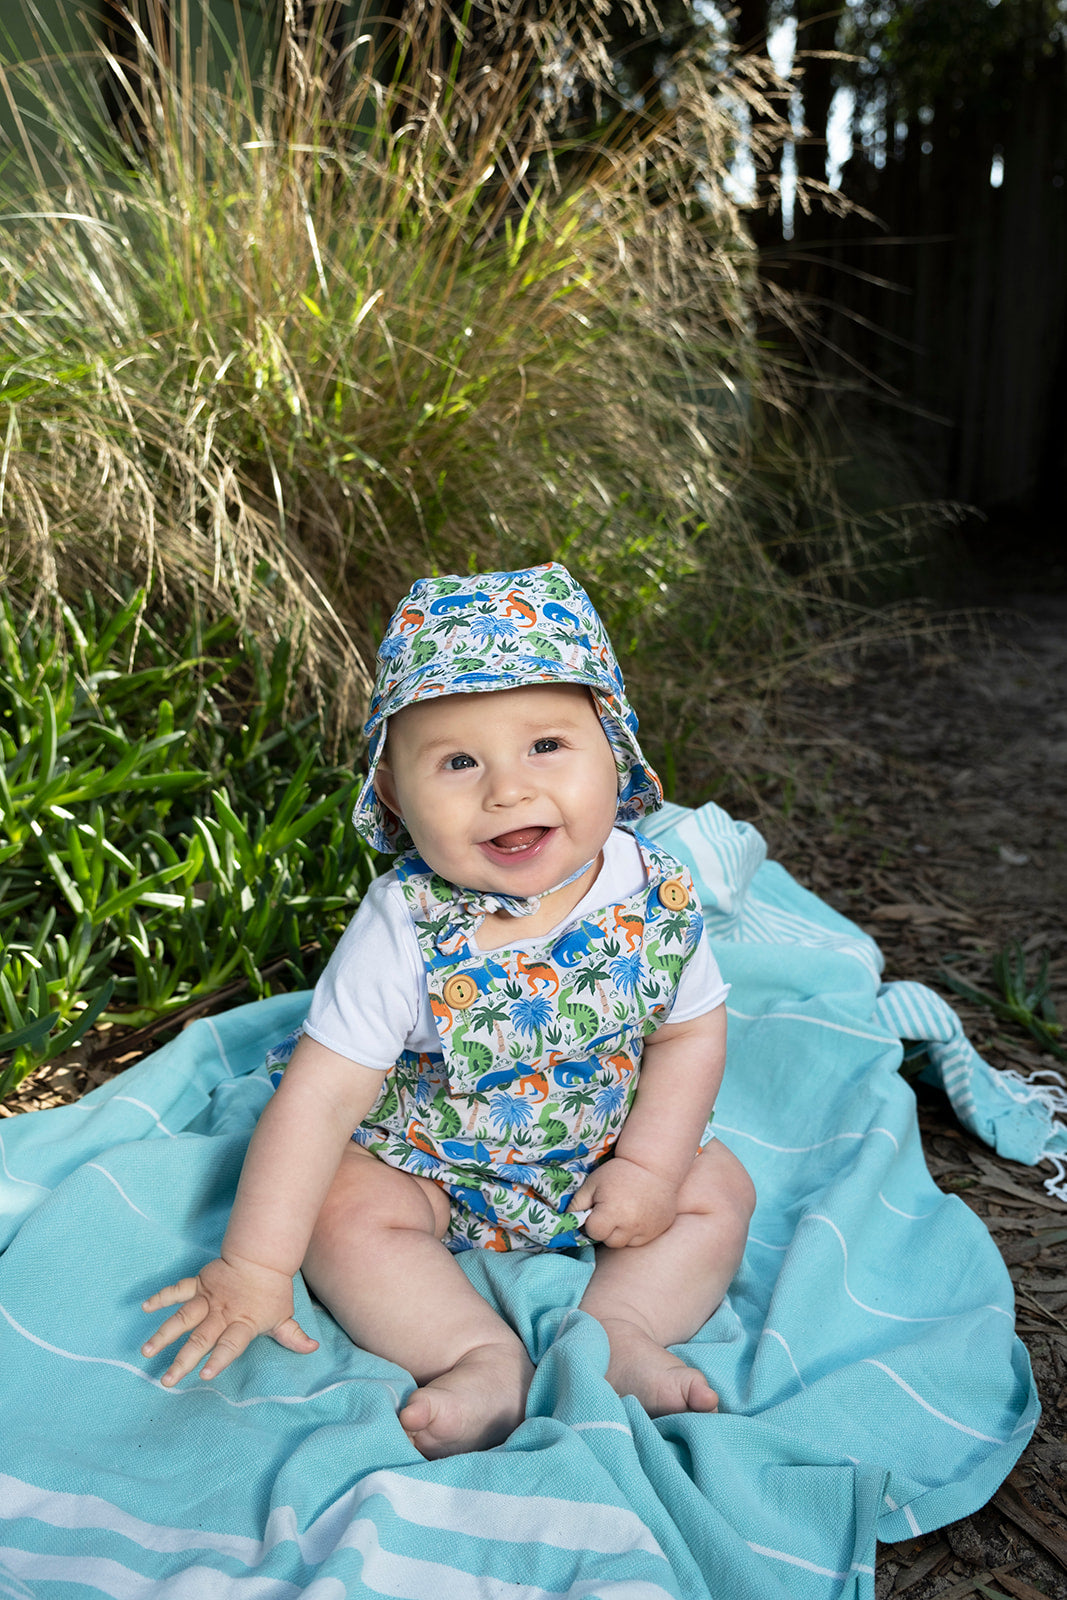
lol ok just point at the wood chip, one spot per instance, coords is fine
(908, 1577)
(1020, 1588)
(1031, 1521)
(975, 1585)
(1050, 1449)
(1016, 1224)
(1035, 1305)
(992, 1178)
(921, 915)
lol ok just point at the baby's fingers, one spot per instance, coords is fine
(231, 1343)
(191, 1320)
(292, 1336)
(207, 1339)
(583, 1197)
(174, 1294)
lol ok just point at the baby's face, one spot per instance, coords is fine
(510, 791)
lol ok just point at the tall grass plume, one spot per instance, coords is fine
(273, 342)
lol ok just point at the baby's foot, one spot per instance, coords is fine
(661, 1382)
(474, 1405)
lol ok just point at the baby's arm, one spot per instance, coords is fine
(634, 1195)
(291, 1162)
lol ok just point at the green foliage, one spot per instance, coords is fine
(279, 347)
(164, 830)
(1023, 1000)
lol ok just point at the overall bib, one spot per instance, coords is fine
(540, 1054)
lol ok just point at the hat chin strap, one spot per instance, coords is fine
(471, 907)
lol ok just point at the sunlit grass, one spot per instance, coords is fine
(281, 347)
(271, 346)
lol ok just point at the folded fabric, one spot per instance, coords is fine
(872, 1385)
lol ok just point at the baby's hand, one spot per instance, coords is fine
(223, 1309)
(628, 1204)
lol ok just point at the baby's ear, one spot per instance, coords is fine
(385, 788)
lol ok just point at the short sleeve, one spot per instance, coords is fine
(367, 1002)
(701, 987)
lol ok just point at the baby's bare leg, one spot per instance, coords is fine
(377, 1262)
(653, 1295)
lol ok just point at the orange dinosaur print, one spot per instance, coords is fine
(411, 617)
(442, 1015)
(536, 972)
(514, 603)
(630, 926)
(416, 1135)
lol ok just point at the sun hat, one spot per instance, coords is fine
(491, 631)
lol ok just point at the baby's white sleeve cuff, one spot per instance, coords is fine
(366, 1003)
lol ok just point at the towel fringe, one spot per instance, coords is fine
(1053, 1096)
(1056, 1186)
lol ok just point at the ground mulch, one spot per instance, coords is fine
(922, 791)
(932, 811)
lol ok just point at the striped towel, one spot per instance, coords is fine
(871, 1381)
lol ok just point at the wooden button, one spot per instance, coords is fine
(673, 895)
(460, 991)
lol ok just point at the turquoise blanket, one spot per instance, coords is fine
(872, 1384)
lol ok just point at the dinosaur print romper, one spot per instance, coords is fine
(540, 1052)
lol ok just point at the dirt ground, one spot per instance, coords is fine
(930, 808)
(937, 822)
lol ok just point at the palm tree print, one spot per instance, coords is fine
(524, 1071)
(531, 1014)
(491, 627)
(610, 1100)
(507, 1111)
(589, 976)
(627, 971)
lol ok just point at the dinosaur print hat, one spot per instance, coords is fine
(499, 630)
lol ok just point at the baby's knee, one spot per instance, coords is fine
(368, 1197)
(723, 1186)
(742, 1192)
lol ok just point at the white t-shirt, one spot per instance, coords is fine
(371, 1002)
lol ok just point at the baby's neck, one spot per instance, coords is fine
(500, 928)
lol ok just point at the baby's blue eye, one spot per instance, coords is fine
(544, 747)
(459, 763)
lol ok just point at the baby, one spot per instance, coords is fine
(517, 1043)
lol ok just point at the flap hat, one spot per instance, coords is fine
(493, 631)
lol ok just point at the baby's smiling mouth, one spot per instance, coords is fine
(518, 839)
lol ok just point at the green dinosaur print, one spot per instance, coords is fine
(555, 1130)
(523, 1079)
(584, 1017)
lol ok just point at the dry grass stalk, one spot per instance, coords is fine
(280, 345)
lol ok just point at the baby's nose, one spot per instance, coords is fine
(508, 785)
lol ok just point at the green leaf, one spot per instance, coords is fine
(31, 1035)
(74, 1031)
(46, 759)
(146, 892)
(57, 869)
(967, 991)
(116, 627)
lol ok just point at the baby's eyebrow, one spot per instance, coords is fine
(536, 728)
(439, 742)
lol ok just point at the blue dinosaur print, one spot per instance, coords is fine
(568, 1073)
(458, 602)
(573, 946)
